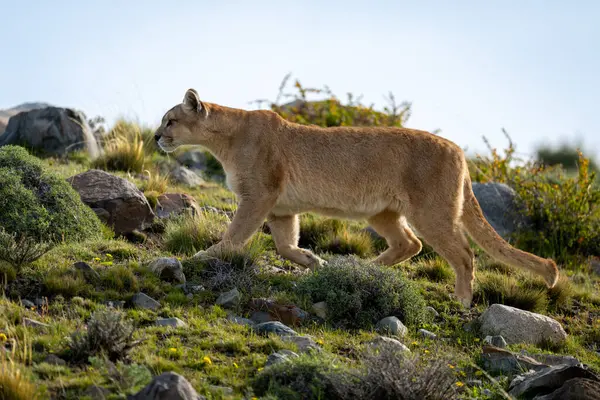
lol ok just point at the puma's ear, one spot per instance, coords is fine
(192, 101)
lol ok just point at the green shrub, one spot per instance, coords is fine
(305, 377)
(38, 209)
(564, 209)
(358, 294)
(108, 334)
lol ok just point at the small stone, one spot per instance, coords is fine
(279, 357)
(426, 334)
(27, 303)
(259, 317)
(87, 271)
(383, 343)
(304, 343)
(392, 325)
(497, 341)
(432, 311)
(474, 383)
(173, 322)
(167, 386)
(34, 324)
(194, 288)
(186, 177)
(497, 360)
(168, 269)
(142, 300)
(229, 299)
(320, 309)
(273, 327)
(97, 392)
(240, 320)
(54, 360)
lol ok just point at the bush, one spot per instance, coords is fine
(564, 210)
(108, 334)
(358, 294)
(38, 209)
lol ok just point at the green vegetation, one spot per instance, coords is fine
(102, 338)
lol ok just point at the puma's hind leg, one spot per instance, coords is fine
(286, 233)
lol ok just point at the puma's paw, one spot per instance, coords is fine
(314, 261)
(202, 255)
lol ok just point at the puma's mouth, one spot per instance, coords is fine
(166, 145)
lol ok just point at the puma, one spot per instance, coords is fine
(390, 177)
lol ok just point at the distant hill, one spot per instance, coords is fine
(6, 114)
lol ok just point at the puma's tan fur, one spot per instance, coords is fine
(387, 176)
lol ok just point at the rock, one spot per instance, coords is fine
(32, 323)
(432, 311)
(97, 392)
(574, 389)
(51, 131)
(260, 316)
(304, 343)
(167, 386)
(382, 343)
(168, 269)
(595, 265)
(279, 357)
(500, 361)
(229, 299)
(548, 380)
(288, 314)
(391, 325)
(169, 204)
(240, 320)
(519, 326)
(54, 360)
(194, 159)
(497, 341)
(88, 272)
(115, 200)
(273, 327)
(142, 300)
(184, 176)
(426, 334)
(553, 359)
(320, 309)
(39, 301)
(498, 202)
(173, 322)
(27, 303)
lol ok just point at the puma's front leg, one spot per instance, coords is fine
(251, 213)
(286, 232)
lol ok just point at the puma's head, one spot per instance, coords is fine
(186, 123)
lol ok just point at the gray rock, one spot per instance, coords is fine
(52, 131)
(32, 323)
(279, 357)
(574, 389)
(273, 327)
(320, 309)
(193, 159)
(498, 202)
(548, 380)
(261, 316)
(116, 201)
(186, 177)
(554, 359)
(392, 326)
(173, 322)
(54, 360)
(519, 326)
(27, 303)
(168, 269)
(382, 343)
(305, 343)
(432, 311)
(240, 320)
(171, 204)
(88, 272)
(499, 361)
(97, 392)
(167, 386)
(426, 334)
(497, 341)
(229, 299)
(142, 300)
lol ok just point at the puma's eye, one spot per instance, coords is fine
(170, 122)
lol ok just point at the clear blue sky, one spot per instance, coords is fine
(469, 67)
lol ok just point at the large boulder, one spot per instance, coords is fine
(50, 131)
(520, 326)
(118, 202)
(549, 380)
(499, 205)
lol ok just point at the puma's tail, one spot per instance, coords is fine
(486, 237)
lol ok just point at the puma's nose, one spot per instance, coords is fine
(156, 137)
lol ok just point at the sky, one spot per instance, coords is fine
(469, 68)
